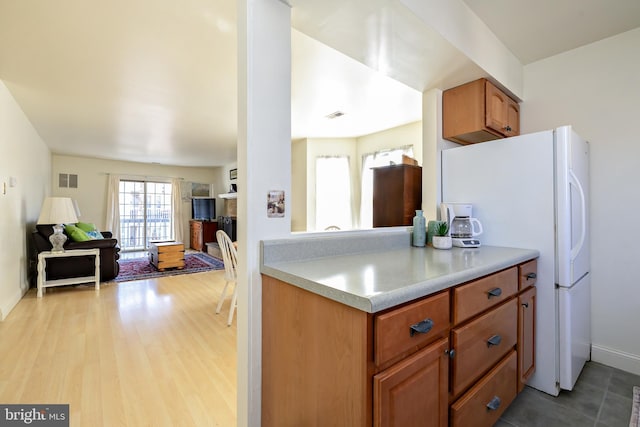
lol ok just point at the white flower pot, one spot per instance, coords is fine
(441, 242)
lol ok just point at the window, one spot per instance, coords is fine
(145, 213)
(372, 160)
(333, 193)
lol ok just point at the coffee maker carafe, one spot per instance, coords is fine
(463, 227)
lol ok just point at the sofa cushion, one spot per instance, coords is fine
(76, 234)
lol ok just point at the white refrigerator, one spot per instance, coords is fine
(532, 191)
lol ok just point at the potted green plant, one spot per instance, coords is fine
(441, 240)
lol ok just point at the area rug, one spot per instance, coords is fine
(140, 268)
(635, 410)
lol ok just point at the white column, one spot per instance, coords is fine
(264, 165)
(431, 134)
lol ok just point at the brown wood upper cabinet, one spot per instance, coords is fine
(478, 111)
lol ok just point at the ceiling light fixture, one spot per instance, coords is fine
(335, 115)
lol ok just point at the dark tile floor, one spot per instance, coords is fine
(601, 398)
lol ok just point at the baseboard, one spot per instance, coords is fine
(14, 299)
(615, 358)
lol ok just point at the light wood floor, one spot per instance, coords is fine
(144, 353)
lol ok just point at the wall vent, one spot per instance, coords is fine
(67, 180)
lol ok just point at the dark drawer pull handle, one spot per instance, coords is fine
(531, 276)
(525, 305)
(421, 327)
(494, 340)
(494, 403)
(495, 292)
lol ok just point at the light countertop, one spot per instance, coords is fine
(373, 271)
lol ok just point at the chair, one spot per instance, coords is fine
(229, 256)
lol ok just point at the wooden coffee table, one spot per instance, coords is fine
(163, 255)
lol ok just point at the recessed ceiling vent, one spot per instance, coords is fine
(334, 115)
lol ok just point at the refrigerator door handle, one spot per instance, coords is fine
(573, 180)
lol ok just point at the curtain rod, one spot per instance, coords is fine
(142, 176)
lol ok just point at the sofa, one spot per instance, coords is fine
(62, 268)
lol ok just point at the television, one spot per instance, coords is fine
(203, 208)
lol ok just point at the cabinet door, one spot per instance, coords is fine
(496, 109)
(526, 336)
(414, 391)
(513, 118)
(196, 235)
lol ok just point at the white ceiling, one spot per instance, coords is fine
(155, 80)
(534, 30)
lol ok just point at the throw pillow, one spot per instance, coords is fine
(90, 229)
(95, 234)
(86, 226)
(76, 234)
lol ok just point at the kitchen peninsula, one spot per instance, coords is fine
(363, 328)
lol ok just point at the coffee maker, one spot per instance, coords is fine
(463, 227)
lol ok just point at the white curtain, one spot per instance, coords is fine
(113, 206)
(176, 209)
(372, 160)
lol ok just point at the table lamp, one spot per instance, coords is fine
(57, 211)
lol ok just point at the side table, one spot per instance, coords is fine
(43, 283)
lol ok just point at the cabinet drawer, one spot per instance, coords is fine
(528, 273)
(481, 294)
(487, 400)
(481, 343)
(393, 335)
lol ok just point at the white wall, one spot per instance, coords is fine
(27, 160)
(596, 88)
(409, 134)
(93, 175)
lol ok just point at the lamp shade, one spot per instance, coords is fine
(57, 210)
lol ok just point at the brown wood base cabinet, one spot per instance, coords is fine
(201, 233)
(455, 358)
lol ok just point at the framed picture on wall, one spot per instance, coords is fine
(200, 190)
(233, 174)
